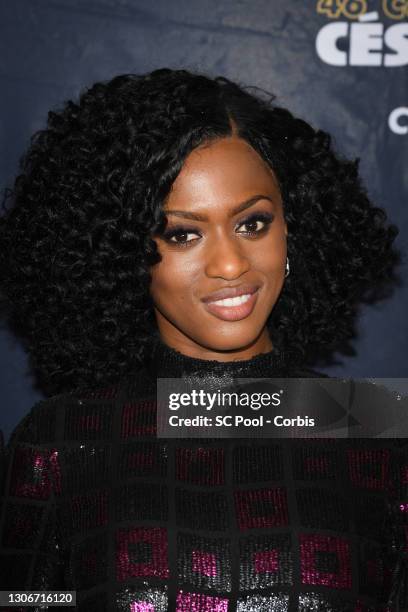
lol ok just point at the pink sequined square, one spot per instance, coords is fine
(204, 563)
(311, 545)
(197, 602)
(141, 606)
(261, 508)
(149, 558)
(266, 561)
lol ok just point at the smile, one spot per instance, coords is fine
(233, 309)
(236, 301)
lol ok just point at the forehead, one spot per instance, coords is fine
(224, 171)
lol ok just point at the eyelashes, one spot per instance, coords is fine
(181, 234)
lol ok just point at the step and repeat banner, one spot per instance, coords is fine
(339, 64)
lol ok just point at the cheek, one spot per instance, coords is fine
(272, 257)
(171, 279)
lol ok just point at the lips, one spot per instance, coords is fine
(230, 292)
(232, 304)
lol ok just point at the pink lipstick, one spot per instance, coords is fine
(232, 304)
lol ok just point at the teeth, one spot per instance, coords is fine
(236, 301)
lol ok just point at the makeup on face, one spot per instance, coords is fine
(234, 308)
(182, 234)
(223, 254)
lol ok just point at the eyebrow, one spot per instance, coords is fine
(239, 208)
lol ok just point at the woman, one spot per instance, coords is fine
(173, 225)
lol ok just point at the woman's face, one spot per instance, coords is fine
(225, 231)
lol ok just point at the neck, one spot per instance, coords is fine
(163, 360)
(184, 345)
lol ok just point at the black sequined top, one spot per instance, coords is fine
(96, 502)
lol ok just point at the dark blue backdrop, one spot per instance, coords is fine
(339, 64)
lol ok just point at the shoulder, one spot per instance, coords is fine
(49, 419)
(83, 413)
(36, 426)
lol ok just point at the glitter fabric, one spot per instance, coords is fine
(322, 509)
(265, 561)
(198, 602)
(144, 599)
(200, 465)
(315, 461)
(95, 502)
(257, 464)
(315, 602)
(30, 476)
(369, 468)
(325, 560)
(261, 508)
(89, 561)
(204, 562)
(141, 606)
(141, 552)
(262, 603)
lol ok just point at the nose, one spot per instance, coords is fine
(225, 258)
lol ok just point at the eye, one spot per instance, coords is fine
(256, 224)
(181, 236)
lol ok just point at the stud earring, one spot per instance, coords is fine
(287, 270)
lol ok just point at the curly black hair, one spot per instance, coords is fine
(76, 245)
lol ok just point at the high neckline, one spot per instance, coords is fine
(165, 361)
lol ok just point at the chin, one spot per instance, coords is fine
(231, 342)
